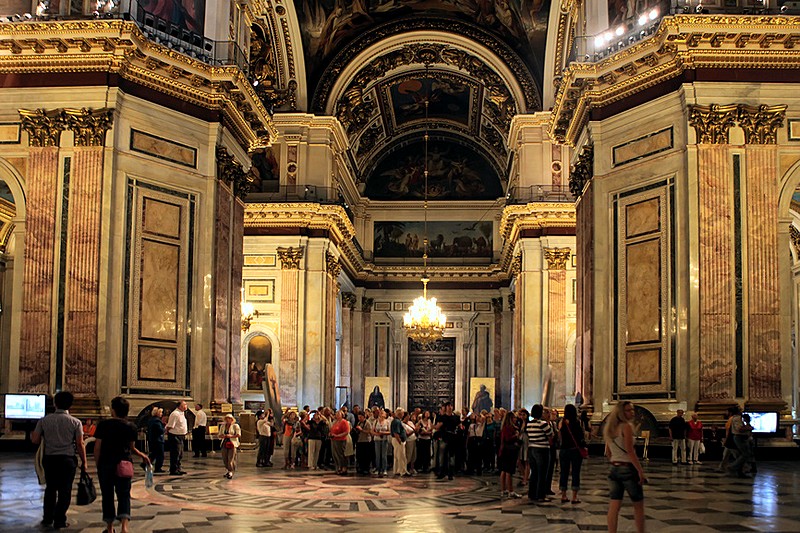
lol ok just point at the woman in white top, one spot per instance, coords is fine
(626, 473)
(380, 437)
(411, 441)
(424, 433)
(229, 433)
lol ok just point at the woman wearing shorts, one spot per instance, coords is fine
(626, 473)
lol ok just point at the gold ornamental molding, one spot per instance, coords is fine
(682, 42)
(290, 257)
(712, 123)
(332, 265)
(89, 125)
(760, 123)
(43, 127)
(557, 258)
(120, 47)
(794, 236)
(538, 215)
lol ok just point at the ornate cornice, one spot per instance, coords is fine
(290, 257)
(712, 123)
(557, 258)
(89, 125)
(682, 42)
(120, 47)
(43, 127)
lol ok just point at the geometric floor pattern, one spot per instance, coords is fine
(692, 499)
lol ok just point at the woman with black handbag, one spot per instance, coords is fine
(572, 453)
(113, 453)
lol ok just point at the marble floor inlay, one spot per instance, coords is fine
(692, 499)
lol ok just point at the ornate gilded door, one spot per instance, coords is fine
(431, 374)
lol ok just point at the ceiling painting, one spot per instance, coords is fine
(447, 239)
(455, 172)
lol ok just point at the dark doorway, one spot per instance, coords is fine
(431, 374)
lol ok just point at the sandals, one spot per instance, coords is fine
(564, 500)
(575, 502)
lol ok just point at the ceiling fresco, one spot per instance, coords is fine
(455, 172)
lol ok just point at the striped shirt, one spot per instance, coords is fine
(539, 433)
(59, 430)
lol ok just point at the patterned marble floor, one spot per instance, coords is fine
(692, 499)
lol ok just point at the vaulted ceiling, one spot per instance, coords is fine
(373, 64)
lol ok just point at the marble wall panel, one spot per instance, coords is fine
(642, 217)
(165, 149)
(642, 147)
(643, 295)
(717, 368)
(162, 218)
(159, 280)
(83, 271)
(37, 299)
(158, 363)
(643, 367)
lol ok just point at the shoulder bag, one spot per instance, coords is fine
(583, 451)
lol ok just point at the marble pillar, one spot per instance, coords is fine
(237, 264)
(517, 349)
(497, 353)
(290, 275)
(345, 377)
(763, 309)
(221, 367)
(368, 365)
(717, 350)
(584, 361)
(35, 360)
(557, 322)
(333, 268)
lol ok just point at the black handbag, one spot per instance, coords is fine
(86, 491)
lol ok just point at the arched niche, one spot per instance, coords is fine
(259, 348)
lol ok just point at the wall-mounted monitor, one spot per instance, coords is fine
(764, 422)
(24, 406)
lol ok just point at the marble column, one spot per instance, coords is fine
(557, 322)
(221, 368)
(44, 133)
(717, 350)
(83, 250)
(290, 275)
(497, 353)
(763, 309)
(368, 365)
(348, 305)
(516, 348)
(237, 268)
(584, 212)
(333, 269)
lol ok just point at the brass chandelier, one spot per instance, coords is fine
(424, 322)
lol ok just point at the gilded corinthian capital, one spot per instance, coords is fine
(333, 266)
(290, 257)
(44, 127)
(760, 124)
(712, 123)
(89, 125)
(557, 258)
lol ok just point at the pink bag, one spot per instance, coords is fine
(125, 469)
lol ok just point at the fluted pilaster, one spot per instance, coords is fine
(290, 275)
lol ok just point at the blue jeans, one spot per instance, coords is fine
(445, 460)
(539, 459)
(381, 455)
(571, 459)
(109, 485)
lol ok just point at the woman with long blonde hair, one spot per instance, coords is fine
(626, 474)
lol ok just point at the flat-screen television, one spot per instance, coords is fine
(764, 422)
(25, 406)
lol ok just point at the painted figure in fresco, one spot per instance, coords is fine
(482, 401)
(376, 398)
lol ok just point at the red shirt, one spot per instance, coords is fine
(695, 430)
(342, 426)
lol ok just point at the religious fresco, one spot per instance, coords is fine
(454, 172)
(628, 11)
(327, 25)
(259, 356)
(448, 99)
(186, 14)
(446, 239)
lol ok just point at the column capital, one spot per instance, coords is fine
(43, 127)
(557, 258)
(512, 301)
(332, 265)
(89, 125)
(582, 171)
(712, 123)
(497, 305)
(290, 257)
(516, 266)
(760, 124)
(348, 300)
(366, 304)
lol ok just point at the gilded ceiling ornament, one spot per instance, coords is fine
(712, 123)
(232, 174)
(557, 258)
(264, 73)
(348, 300)
(43, 127)
(760, 124)
(290, 257)
(366, 304)
(582, 171)
(89, 125)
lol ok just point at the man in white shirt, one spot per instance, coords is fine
(199, 431)
(176, 433)
(264, 430)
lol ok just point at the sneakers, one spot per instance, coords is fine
(514, 495)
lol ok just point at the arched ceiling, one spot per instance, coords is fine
(373, 64)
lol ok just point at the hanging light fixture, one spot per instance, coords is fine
(424, 322)
(248, 313)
